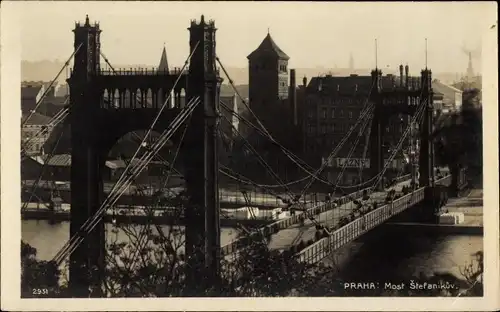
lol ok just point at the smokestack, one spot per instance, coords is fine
(293, 96)
(304, 81)
(401, 79)
(407, 70)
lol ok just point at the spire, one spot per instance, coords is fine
(351, 62)
(163, 61)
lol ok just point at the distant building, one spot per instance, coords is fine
(451, 97)
(35, 132)
(332, 106)
(31, 94)
(55, 168)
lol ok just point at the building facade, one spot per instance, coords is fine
(451, 97)
(35, 132)
(332, 106)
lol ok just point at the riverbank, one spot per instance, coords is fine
(471, 206)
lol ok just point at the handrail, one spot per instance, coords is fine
(275, 227)
(388, 210)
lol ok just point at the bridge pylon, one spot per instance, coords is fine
(403, 98)
(101, 113)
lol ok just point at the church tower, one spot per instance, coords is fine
(268, 76)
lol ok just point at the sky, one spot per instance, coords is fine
(313, 34)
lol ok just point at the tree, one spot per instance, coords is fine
(458, 139)
(38, 278)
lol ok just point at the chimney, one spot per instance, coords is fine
(407, 70)
(293, 97)
(401, 75)
(304, 81)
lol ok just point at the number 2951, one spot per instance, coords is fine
(40, 291)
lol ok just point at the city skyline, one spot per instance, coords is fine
(396, 45)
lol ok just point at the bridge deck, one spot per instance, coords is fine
(320, 249)
(293, 235)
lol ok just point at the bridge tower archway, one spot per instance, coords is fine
(107, 104)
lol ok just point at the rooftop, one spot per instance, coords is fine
(268, 46)
(61, 160)
(35, 119)
(29, 91)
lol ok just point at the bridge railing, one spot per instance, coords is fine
(140, 71)
(294, 219)
(322, 248)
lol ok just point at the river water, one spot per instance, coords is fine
(392, 253)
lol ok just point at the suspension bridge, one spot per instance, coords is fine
(104, 105)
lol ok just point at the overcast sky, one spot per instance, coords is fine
(312, 34)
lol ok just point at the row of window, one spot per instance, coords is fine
(336, 101)
(325, 113)
(281, 67)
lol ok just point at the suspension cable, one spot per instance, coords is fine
(260, 159)
(266, 133)
(165, 185)
(419, 111)
(153, 124)
(362, 116)
(51, 124)
(42, 171)
(39, 102)
(365, 149)
(91, 223)
(302, 164)
(351, 151)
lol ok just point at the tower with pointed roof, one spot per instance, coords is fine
(268, 75)
(163, 66)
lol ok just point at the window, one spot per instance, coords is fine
(341, 113)
(333, 127)
(350, 114)
(310, 113)
(323, 128)
(333, 112)
(324, 113)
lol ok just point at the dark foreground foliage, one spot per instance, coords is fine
(257, 272)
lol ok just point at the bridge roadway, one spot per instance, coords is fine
(288, 237)
(347, 233)
(229, 198)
